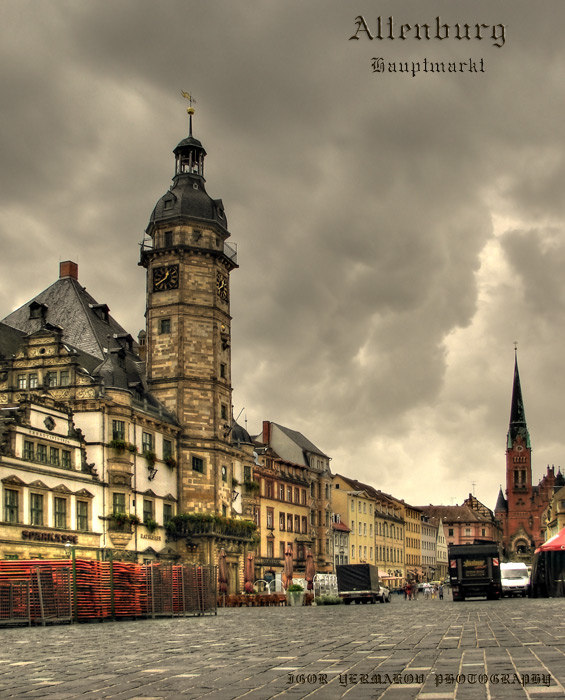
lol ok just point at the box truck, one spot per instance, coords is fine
(474, 570)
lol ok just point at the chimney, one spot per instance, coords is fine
(68, 269)
(266, 432)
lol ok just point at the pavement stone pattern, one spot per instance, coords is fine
(422, 650)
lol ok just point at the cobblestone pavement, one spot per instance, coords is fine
(429, 650)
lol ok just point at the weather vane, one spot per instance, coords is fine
(189, 110)
(190, 98)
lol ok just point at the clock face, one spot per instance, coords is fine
(222, 286)
(166, 277)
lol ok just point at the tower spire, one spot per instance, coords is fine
(518, 426)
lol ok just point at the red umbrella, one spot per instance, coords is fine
(223, 572)
(249, 574)
(310, 570)
(288, 568)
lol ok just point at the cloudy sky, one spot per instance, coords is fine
(396, 233)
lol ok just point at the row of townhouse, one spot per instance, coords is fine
(374, 527)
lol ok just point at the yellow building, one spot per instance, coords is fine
(389, 539)
(356, 509)
(413, 543)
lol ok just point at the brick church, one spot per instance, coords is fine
(521, 509)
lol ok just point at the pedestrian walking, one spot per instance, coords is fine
(440, 591)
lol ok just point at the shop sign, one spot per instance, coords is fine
(157, 538)
(50, 437)
(48, 537)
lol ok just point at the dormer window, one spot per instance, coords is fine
(120, 355)
(102, 311)
(125, 341)
(37, 310)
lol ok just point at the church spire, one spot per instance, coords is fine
(518, 427)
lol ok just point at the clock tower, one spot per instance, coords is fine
(188, 338)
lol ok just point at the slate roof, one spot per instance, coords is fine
(501, 502)
(185, 201)
(85, 324)
(454, 514)
(357, 485)
(10, 340)
(187, 197)
(102, 346)
(301, 441)
(240, 435)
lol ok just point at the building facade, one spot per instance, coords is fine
(413, 543)
(283, 517)
(300, 464)
(90, 391)
(429, 549)
(341, 541)
(356, 510)
(553, 518)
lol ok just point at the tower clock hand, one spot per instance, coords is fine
(162, 280)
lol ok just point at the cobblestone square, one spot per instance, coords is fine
(425, 650)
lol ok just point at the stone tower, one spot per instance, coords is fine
(188, 338)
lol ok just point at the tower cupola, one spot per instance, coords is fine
(189, 153)
(187, 202)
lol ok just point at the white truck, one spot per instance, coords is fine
(515, 579)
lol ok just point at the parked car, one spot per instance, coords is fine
(384, 594)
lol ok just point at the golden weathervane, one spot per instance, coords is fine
(190, 98)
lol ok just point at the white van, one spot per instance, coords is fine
(515, 579)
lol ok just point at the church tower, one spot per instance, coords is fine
(518, 448)
(188, 338)
(519, 536)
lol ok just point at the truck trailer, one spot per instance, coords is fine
(359, 583)
(474, 570)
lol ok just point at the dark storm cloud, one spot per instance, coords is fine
(377, 298)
